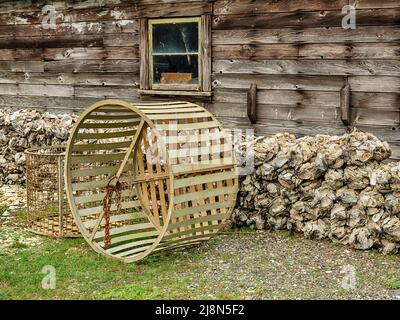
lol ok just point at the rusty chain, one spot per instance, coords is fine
(110, 189)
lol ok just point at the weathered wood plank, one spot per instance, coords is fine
(92, 66)
(306, 82)
(372, 4)
(60, 104)
(206, 52)
(22, 66)
(279, 81)
(105, 79)
(252, 103)
(372, 17)
(376, 100)
(345, 111)
(302, 128)
(144, 54)
(52, 42)
(21, 54)
(109, 53)
(350, 51)
(174, 9)
(121, 40)
(368, 100)
(37, 90)
(374, 83)
(103, 92)
(281, 97)
(285, 112)
(23, 5)
(95, 14)
(268, 6)
(250, 51)
(315, 34)
(70, 28)
(308, 51)
(327, 67)
(362, 116)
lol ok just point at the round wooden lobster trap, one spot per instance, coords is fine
(165, 171)
(48, 211)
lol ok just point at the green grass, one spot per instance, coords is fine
(393, 284)
(84, 274)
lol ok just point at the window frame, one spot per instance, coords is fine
(204, 88)
(174, 86)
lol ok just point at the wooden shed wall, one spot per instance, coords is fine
(295, 50)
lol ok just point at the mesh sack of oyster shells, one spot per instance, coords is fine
(332, 187)
(22, 129)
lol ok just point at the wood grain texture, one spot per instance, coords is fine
(314, 34)
(327, 67)
(144, 54)
(268, 6)
(365, 17)
(99, 66)
(295, 51)
(206, 53)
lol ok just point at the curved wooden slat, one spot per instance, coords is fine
(165, 201)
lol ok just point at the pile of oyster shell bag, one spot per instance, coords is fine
(323, 187)
(22, 129)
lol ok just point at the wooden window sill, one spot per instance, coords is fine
(176, 93)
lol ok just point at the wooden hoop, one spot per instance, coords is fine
(176, 164)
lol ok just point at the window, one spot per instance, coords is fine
(175, 56)
(175, 61)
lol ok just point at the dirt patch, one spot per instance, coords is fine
(266, 265)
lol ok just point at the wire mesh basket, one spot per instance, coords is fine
(48, 211)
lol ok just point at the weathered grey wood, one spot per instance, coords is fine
(251, 7)
(281, 97)
(22, 66)
(306, 82)
(254, 51)
(105, 92)
(293, 112)
(106, 79)
(175, 9)
(53, 41)
(278, 81)
(329, 67)
(350, 51)
(121, 40)
(37, 90)
(108, 53)
(375, 100)
(206, 51)
(376, 17)
(314, 34)
(345, 104)
(372, 4)
(252, 103)
(91, 66)
(144, 54)
(374, 83)
(21, 54)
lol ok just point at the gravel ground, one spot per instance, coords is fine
(264, 265)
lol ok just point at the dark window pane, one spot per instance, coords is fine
(176, 69)
(176, 38)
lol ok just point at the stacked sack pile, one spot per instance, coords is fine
(324, 187)
(21, 129)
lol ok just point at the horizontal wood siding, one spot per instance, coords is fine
(295, 51)
(92, 54)
(300, 57)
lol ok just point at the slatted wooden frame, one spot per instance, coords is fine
(176, 166)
